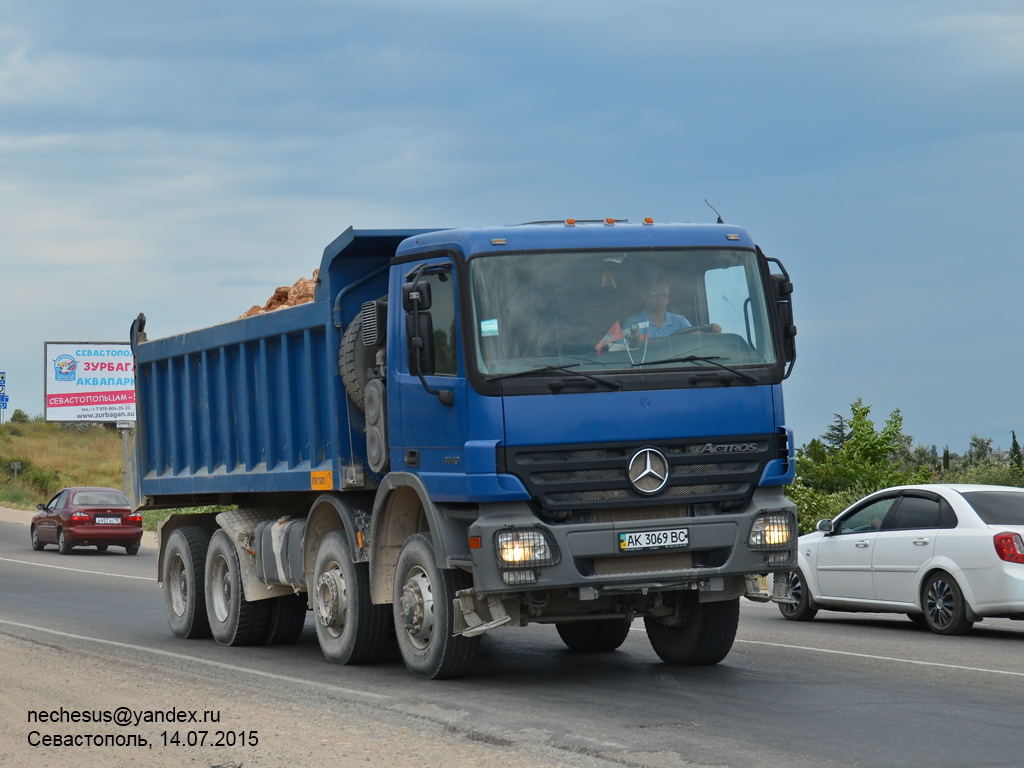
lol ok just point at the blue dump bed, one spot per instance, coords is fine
(257, 405)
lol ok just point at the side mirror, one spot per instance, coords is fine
(41, 507)
(419, 332)
(784, 305)
(825, 526)
(419, 336)
(418, 291)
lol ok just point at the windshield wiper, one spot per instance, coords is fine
(697, 358)
(558, 386)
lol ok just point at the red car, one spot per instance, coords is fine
(83, 517)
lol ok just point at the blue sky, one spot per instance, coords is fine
(184, 160)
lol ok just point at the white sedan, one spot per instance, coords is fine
(945, 555)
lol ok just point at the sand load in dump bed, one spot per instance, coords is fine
(285, 296)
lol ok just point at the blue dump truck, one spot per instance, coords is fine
(577, 423)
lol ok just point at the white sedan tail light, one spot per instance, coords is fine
(1009, 547)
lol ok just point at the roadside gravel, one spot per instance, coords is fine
(293, 729)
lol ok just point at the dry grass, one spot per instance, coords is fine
(54, 456)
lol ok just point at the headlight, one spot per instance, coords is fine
(776, 530)
(524, 549)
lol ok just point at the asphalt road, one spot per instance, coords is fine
(845, 689)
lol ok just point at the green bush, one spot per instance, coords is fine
(863, 460)
(853, 459)
(19, 417)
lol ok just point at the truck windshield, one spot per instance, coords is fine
(619, 310)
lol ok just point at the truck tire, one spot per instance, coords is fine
(705, 636)
(353, 360)
(285, 620)
(184, 579)
(424, 619)
(593, 635)
(233, 619)
(350, 628)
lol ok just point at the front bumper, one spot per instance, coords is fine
(589, 557)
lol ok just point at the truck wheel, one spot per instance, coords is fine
(286, 619)
(424, 620)
(593, 635)
(233, 619)
(350, 628)
(705, 636)
(184, 579)
(353, 360)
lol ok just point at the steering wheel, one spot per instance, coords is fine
(694, 329)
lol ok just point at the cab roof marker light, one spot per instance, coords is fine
(648, 220)
(498, 241)
(732, 237)
(610, 221)
(570, 222)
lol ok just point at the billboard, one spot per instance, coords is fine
(89, 381)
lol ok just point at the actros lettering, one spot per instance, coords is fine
(728, 448)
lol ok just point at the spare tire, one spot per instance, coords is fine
(353, 360)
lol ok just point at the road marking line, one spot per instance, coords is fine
(76, 570)
(209, 662)
(871, 656)
(884, 658)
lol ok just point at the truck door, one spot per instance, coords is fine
(433, 434)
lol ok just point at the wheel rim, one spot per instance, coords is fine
(221, 582)
(941, 603)
(797, 588)
(61, 542)
(178, 585)
(332, 599)
(35, 538)
(418, 607)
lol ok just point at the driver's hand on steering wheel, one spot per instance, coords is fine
(716, 328)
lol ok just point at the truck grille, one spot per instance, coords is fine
(704, 471)
(609, 566)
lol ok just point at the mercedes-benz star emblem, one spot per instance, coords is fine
(648, 470)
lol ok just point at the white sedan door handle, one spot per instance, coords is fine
(921, 542)
(863, 544)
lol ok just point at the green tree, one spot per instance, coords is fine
(838, 432)
(19, 417)
(1016, 460)
(867, 461)
(815, 450)
(980, 450)
(945, 459)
